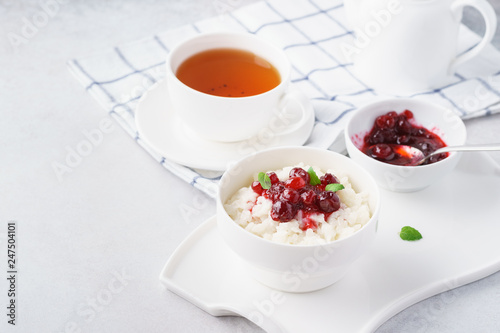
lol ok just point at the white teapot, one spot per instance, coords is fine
(407, 46)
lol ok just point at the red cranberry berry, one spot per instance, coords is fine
(308, 197)
(320, 188)
(290, 195)
(328, 201)
(275, 191)
(408, 114)
(385, 121)
(425, 147)
(295, 182)
(299, 172)
(403, 126)
(376, 137)
(403, 139)
(382, 152)
(283, 211)
(257, 187)
(422, 132)
(328, 178)
(273, 177)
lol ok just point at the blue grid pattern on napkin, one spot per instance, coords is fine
(311, 33)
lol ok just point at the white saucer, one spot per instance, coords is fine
(160, 127)
(458, 218)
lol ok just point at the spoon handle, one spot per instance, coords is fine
(476, 147)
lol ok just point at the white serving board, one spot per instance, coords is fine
(458, 217)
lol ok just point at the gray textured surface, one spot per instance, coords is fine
(110, 214)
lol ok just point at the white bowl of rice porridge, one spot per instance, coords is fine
(298, 217)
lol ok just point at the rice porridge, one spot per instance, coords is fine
(300, 205)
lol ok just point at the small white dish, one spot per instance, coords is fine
(160, 127)
(458, 246)
(400, 178)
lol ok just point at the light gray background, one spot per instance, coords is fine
(119, 213)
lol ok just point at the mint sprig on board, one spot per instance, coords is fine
(410, 234)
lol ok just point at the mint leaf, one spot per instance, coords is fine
(264, 180)
(410, 234)
(314, 177)
(334, 187)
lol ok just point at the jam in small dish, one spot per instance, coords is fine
(400, 129)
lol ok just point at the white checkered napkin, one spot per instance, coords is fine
(311, 33)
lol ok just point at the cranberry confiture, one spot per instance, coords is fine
(400, 129)
(297, 195)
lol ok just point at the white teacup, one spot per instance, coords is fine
(230, 119)
(406, 46)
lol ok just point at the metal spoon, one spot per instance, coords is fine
(418, 156)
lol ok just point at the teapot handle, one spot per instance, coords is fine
(490, 20)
